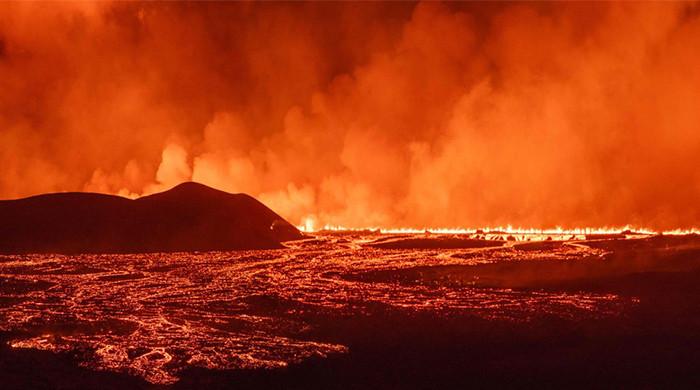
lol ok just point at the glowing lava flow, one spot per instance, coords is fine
(533, 233)
(155, 315)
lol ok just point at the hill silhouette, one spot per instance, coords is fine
(188, 217)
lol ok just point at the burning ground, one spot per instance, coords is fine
(340, 302)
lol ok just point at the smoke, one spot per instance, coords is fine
(363, 114)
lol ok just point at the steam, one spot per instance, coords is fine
(363, 114)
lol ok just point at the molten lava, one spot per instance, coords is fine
(519, 234)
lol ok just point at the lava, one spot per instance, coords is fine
(524, 233)
(153, 315)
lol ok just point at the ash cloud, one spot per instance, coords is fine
(363, 114)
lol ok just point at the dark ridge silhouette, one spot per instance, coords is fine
(188, 217)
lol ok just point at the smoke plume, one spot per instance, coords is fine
(365, 114)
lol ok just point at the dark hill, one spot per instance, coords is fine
(188, 217)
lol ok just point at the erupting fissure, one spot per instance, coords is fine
(531, 233)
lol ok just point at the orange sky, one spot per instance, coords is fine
(363, 114)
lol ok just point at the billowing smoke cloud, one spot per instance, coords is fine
(363, 114)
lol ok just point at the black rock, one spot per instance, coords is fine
(188, 217)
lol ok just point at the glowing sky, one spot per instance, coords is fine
(363, 114)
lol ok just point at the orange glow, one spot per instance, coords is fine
(531, 114)
(532, 233)
(492, 193)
